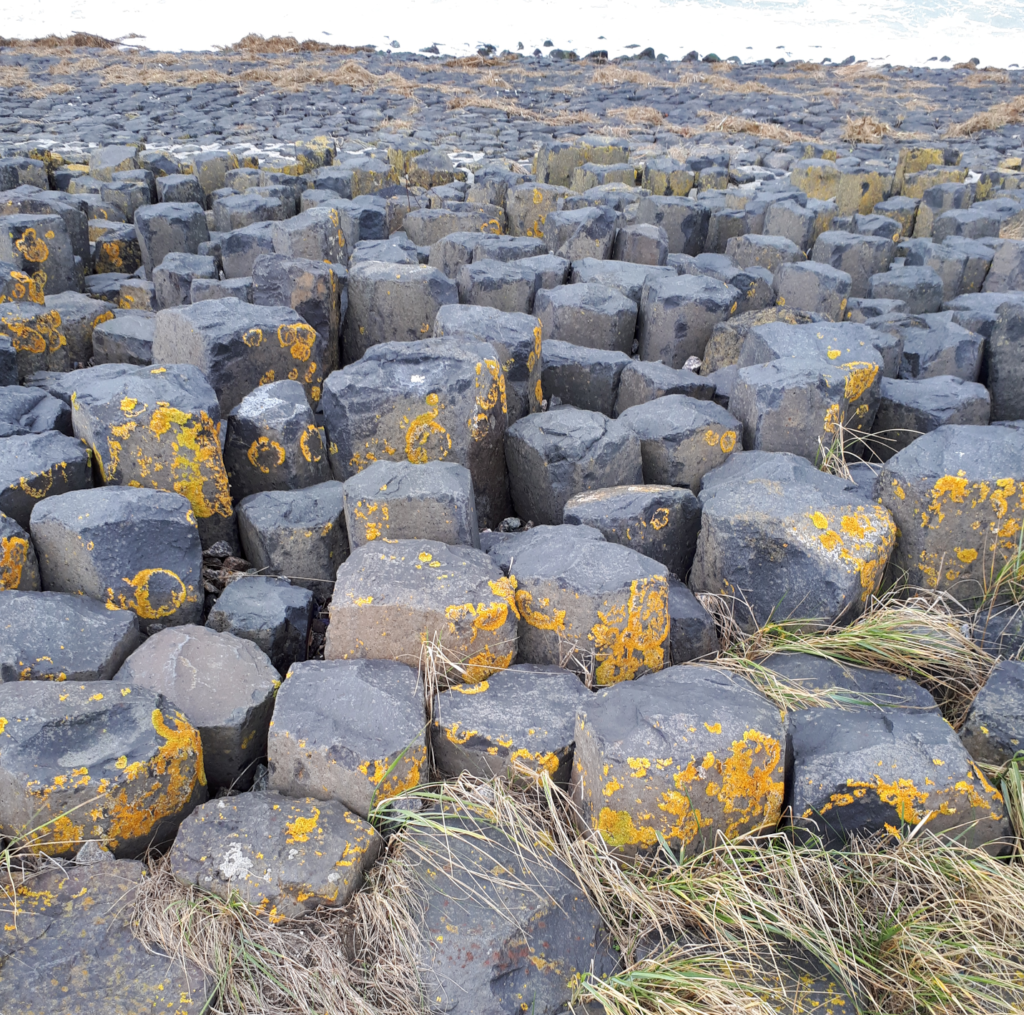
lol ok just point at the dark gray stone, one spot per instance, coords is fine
(858, 772)
(270, 612)
(169, 227)
(348, 730)
(36, 466)
(299, 534)
(30, 410)
(581, 376)
(129, 548)
(641, 382)
(692, 633)
(859, 256)
(503, 285)
(128, 338)
(814, 287)
(172, 278)
(39, 246)
(554, 455)
(919, 287)
(994, 728)
(49, 636)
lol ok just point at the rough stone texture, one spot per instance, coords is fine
(627, 278)
(29, 410)
(642, 382)
(553, 456)
(390, 598)
(711, 762)
(790, 541)
(1004, 359)
(270, 612)
(400, 500)
(587, 314)
(352, 731)
(605, 603)
(79, 315)
(661, 522)
(299, 534)
(520, 720)
(502, 285)
(392, 303)
(515, 337)
(909, 408)
(282, 857)
(314, 290)
(273, 442)
(681, 438)
(239, 347)
(169, 227)
(855, 686)
(919, 287)
(36, 336)
(871, 771)
(224, 684)
(435, 400)
(172, 277)
(813, 287)
(126, 339)
(582, 377)
(957, 498)
(156, 427)
(120, 764)
(39, 246)
(692, 631)
(994, 728)
(859, 256)
(500, 929)
(19, 567)
(727, 338)
(678, 315)
(50, 636)
(72, 948)
(129, 548)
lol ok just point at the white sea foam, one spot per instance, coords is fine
(895, 31)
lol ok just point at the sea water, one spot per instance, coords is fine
(919, 32)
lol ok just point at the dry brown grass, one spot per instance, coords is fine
(616, 74)
(864, 128)
(254, 44)
(997, 116)
(721, 84)
(756, 128)
(76, 40)
(476, 62)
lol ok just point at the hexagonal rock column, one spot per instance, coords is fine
(34, 467)
(682, 438)
(270, 612)
(518, 721)
(39, 246)
(434, 400)
(19, 566)
(677, 316)
(957, 495)
(392, 598)
(50, 636)
(587, 314)
(167, 227)
(727, 338)
(224, 684)
(392, 303)
(119, 764)
(400, 500)
(789, 541)
(515, 337)
(598, 600)
(273, 442)
(661, 522)
(299, 534)
(283, 857)
(353, 731)
(858, 772)
(858, 685)
(112, 969)
(239, 346)
(553, 456)
(157, 427)
(685, 753)
(994, 729)
(501, 924)
(37, 337)
(129, 548)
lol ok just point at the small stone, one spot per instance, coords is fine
(994, 727)
(36, 466)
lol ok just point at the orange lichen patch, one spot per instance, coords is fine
(174, 595)
(27, 288)
(36, 335)
(859, 378)
(32, 247)
(554, 620)
(420, 431)
(392, 776)
(13, 557)
(300, 829)
(493, 396)
(263, 449)
(617, 830)
(541, 761)
(748, 790)
(487, 662)
(966, 556)
(631, 637)
(456, 736)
